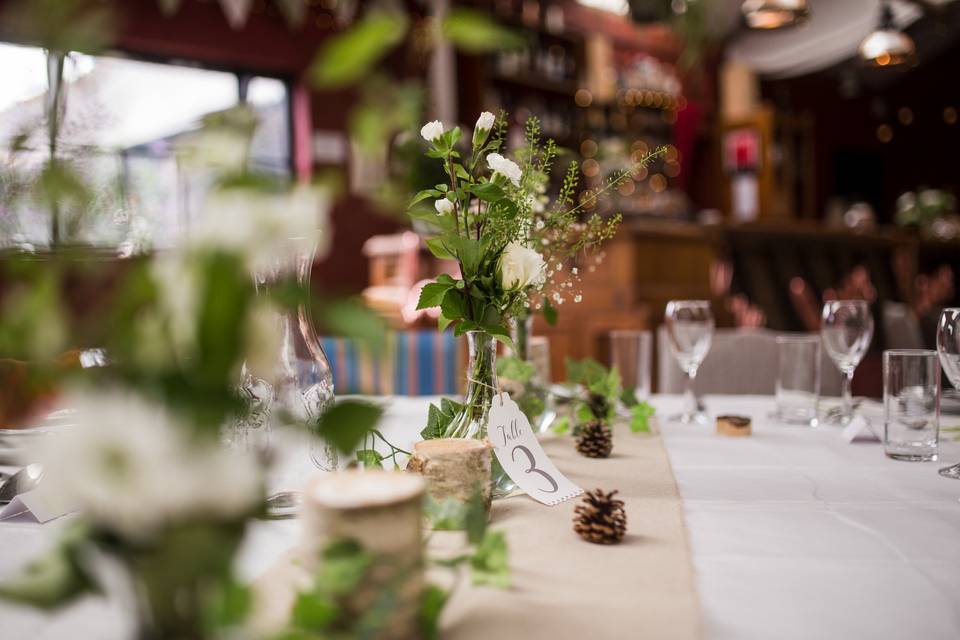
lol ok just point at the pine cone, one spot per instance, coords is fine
(595, 440)
(598, 405)
(599, 518)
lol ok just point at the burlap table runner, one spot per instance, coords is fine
(564, 587)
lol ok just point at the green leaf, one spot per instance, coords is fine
(561, 426)
(369, 458)
(423, 195)
(475, 520)
(346, 423)
(344, 562)
(475, 32)
(229, 608)
(640, 417)
(438, 247)
(349, 317)
(584, 414)
(454, 304)
(432, 295)
(448, 514)
(629, 397)
(439, 418)
(490, 562)
(549, 313)
(53, 580)
(443, 322)
(431, 606)
(352, 55)
(314, 611)
(514, 368)
(488, 192)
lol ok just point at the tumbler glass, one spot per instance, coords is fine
(797, 390)
(631, 352)
(911, 404)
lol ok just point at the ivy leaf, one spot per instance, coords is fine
(432, 295)
(490, 564)
(352, 55)
(314, 611)
(561, 426)
(344, 564)
(431, 605)
(439, 418)
(370, 458)
(629, 397)
(345, 424)
(513, 368)
(475, 520)
(640, 417)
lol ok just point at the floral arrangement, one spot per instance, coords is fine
(491, 217)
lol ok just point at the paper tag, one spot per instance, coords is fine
(859, 429)
(522, 457)
(34, 506)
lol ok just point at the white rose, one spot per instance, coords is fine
(507, 168)
(432, 130)
(443, 206)
(485, 121)
(521, 267)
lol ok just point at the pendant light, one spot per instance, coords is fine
(888, 46)
(774, 14)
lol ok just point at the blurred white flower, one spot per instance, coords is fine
(443, 206)
(264, 226)
(929, 198)
(507, 168)
(521, 267)
(217, 148)
(129, 467)
(907, 200)
(432, 130)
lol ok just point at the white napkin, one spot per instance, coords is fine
(860, 429)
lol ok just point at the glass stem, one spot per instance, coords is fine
(847, 395)
(689, 395)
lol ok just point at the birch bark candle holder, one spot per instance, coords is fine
(382, 511)
(456, 470)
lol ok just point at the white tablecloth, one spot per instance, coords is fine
(794, 534)
(797, 534)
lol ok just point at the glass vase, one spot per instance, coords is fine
(482, 388)
(535, 399)
(300, 386)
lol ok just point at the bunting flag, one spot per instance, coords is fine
(236, 12)
(169, 7)
(294, 11)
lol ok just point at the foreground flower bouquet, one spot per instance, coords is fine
(489, 218)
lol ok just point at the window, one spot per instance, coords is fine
(122, 120)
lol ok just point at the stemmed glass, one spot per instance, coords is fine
(948, 348)
(690, 329)
(846, 330)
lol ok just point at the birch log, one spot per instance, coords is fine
(454, 468)
(382, 511)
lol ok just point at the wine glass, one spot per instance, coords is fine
(689, 328)
(948, 348)
(846, 330)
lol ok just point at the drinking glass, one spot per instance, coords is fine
(911, 404)
(948, 348)
(689, 329)
(798, 378)
(631, 352)
(846, 330)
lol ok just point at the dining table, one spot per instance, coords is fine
(791, 532)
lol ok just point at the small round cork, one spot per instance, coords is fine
(733, 426)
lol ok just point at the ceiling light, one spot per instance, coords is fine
(774, 14)
(887, 45)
